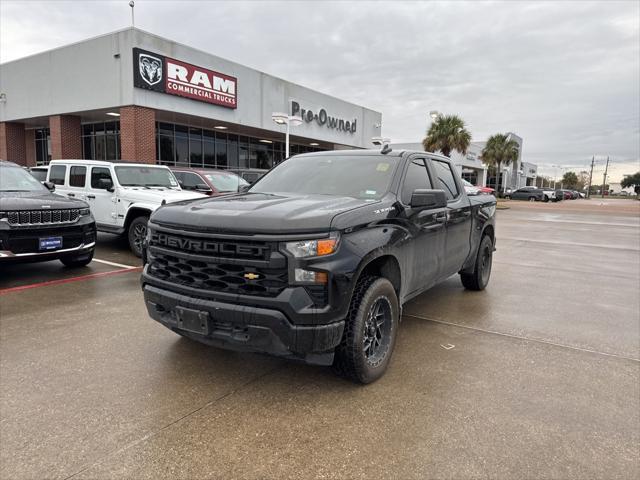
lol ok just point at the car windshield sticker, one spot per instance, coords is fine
(173, 182)
(370, 192)
(382, 167)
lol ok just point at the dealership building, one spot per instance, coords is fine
(135, 96)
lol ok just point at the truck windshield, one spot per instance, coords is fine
(146, 177)
(364, 177)
(226, 182)
(15, 179)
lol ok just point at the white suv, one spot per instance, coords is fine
(121, 195)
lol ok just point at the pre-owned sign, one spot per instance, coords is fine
(174, 77)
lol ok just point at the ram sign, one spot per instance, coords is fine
(174, 77)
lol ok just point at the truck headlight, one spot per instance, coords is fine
(313, 248)
(84, 212)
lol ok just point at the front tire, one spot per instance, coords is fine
(78, 261)
(479, 278)
(370, 331)
(137, 233)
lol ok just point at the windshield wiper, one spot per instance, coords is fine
(18, 190)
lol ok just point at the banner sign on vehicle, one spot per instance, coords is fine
(174, 77)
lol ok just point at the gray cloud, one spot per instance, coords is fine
(563, 75)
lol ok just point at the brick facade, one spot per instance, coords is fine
(12, 142)
(66, 137)
(30, 147)
(138, 134)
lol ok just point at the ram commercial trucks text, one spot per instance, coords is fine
(316, 259)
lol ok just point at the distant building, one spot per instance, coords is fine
(616, 188)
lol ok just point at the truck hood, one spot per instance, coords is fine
(37, 201)
(156, 195)
(259, 213)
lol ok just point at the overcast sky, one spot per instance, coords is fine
(565, 76)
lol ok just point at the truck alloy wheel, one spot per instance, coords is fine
(137, 233)
(370, 331)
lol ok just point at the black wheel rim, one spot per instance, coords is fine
(377, 331)
(485, 264)
(139, 232)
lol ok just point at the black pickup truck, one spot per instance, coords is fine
(316, 259)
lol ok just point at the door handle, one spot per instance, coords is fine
(91, 196)
(71, 194)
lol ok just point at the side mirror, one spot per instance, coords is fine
(244, 188)
(203, 188)
(105, 184)
(50, 186)
(428, 199)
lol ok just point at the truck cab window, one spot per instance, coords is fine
(57, 174)
(446, 179)
(416, 177)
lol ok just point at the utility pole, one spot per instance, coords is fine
(593, 160)
(604, 178)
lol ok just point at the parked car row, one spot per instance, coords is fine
(112, 197)
(537, 194)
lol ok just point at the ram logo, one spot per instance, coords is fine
(150, 68)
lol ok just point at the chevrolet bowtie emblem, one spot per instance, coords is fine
(251, 276)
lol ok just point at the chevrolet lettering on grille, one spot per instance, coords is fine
(207, 246)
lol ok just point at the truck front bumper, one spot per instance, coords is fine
(241, 327)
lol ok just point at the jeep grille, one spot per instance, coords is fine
(43, 217)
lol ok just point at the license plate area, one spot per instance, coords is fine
(195, 321)
(50, 243)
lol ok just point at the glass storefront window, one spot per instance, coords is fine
(196, 147)
(209, 152)
(101, 141)
(43, 146)
(182, 151)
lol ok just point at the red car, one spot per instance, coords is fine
(487, 190)
(208, 180)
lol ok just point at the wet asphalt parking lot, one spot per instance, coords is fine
(538, 376)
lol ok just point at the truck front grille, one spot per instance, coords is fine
(217, 276)
(22, 218)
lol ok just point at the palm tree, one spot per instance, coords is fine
(447, 133)
(500, 150)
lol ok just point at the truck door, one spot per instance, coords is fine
(458, 223)
(99, 198)
(77, 181)
(427, 227)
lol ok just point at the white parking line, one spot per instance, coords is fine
(113, 264)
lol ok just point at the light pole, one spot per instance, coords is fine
(555, 174)
(288, 120)
(132, 4)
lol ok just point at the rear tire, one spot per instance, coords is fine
(78, 261)
(479, 278)
(137, 233)
(370, 331)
